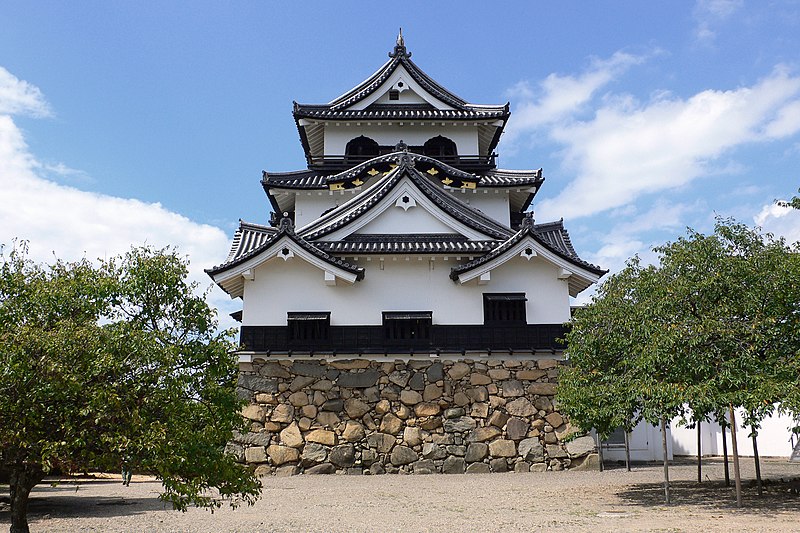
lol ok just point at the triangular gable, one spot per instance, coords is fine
(406, 210)
(460, 216)
(286, 245)
(527, 244)
(409, 92)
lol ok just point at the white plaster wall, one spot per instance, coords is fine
(645, 444)
(403, 285)
(309, 206)
(492, 202)
(414, 221)
(337, 137)
(774, 438)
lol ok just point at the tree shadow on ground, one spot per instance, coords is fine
(778, 495)
(69, 500)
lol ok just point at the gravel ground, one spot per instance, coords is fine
(614, 500)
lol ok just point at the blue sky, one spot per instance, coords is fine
(131, 122)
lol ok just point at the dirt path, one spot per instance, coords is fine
(614, 500)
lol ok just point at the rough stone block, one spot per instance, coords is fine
(517, 428)
(458, 370)
(282, 454)
(273, 370)
(478, 468)
(502, 448)
(314, 369)
(321, 436)
(424, 466)
(291, 436)
(382, 442)
(254, 412)
(498, 465)
(300, 383)
(431, 392)
(298, 399)
(324, 468)
(483, 434)
(353, 431)
(282, 413)
(313, 453)
(521, 407)
(554, 451)
(410, 397)
(542, 389)
(434, 372)
(580, 447)
(426, 409)
(355, 408)
(459, 425)
(530, 375)
(479, 379)
(358, 381)
(453, 465)
(349, 364)
(476, 451)
(343, 455)
(391, 424)
(512, 388)
(255, 454)
(403, 455)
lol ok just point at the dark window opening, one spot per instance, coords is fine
(439, 147)
(309, 326)
(504, 308)
(407, 326)
(394, 94)
(362, 148)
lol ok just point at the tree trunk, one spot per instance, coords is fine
(21, 481)
(666, 460)
(725, 456)
(627, 451)
(736, 474)
(699, 454)
(758, 463)
(600, 451)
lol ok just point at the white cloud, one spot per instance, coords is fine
(628, 149)
(780, 221)
(18, 97)
(70, 223)
(560, 96)
(709, 13)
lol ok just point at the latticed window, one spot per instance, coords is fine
(504, 308)
(407, 326)
(304, 326)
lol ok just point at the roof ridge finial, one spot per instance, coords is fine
(400, 47)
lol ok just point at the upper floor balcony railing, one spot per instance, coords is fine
(467, 163)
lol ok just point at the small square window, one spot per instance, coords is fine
(504, 308)
(394, 94)
(311, 326)
(407, 325)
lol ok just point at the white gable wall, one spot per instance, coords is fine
(336, 137)
(397, 221)
(491, 202)
(402, 285)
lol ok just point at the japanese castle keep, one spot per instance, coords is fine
(401, 309)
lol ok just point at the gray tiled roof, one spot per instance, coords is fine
(311, 179)
(250, 234)
(406, 244)
(552, 235)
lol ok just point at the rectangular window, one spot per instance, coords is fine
(308, 326)
(394, 94)
(407, 325)
(504, 308)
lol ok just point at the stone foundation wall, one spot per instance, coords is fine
(413, 416)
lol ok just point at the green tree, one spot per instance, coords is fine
(114, 365)
(713, 326)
